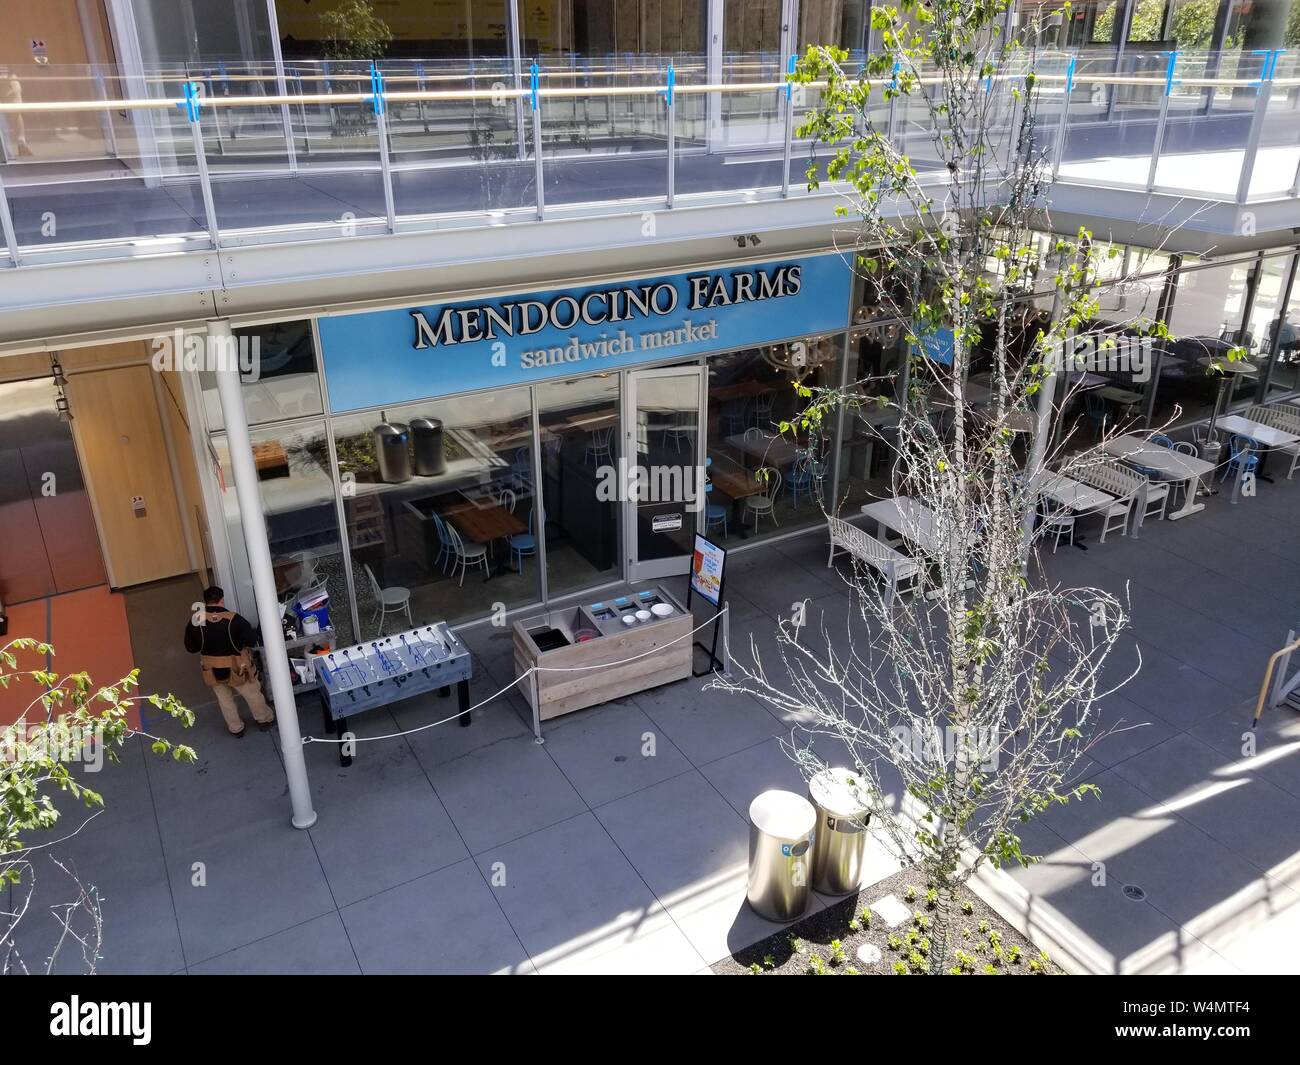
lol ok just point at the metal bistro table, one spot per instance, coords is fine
(1074, 496)
(1170, 464)
(363, 677)
(1265, 436)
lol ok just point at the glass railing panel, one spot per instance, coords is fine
(333, 175)
(459, 155)
(1208, 126)
(605, 147)
(125, 198)
(1113, 117)
(734, 140)
(1278, 159)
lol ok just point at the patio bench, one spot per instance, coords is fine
(892, 564)
(1126, 485)
(1285, 417)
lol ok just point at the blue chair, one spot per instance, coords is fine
(521, 469)
(523, 544)
(715, 514)
(1162, 440)
(1098, 411)
(1242, 451)
(734, 416)
(802, 478)
(445, 550)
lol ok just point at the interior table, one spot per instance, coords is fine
(737, 484)
(769, 449)
(483, 525)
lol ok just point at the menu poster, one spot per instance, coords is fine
(706, 569)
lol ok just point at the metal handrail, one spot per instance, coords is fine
(575, 92)
(1273, 660)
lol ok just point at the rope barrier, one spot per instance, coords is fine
(519, 680)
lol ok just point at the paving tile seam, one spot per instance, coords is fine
(631, 865)
(469, 857)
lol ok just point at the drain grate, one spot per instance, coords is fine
(1134, 893)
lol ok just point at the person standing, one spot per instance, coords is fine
(11, 92)
(223, 640)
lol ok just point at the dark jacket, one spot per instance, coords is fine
(220, 638)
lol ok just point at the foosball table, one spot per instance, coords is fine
(352, 680)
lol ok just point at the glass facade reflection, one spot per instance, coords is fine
(459, 507)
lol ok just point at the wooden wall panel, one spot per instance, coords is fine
(123, 452)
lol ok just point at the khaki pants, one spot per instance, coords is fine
(252, 693)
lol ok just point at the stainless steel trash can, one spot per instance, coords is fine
(780, 839)
(840, 836)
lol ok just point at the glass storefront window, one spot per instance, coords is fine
(578, 423)
(750, 394)
(1284, 337)
(283, 383)
(439, 502)
(301, 518)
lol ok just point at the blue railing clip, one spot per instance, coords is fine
(1069, 74)
(376, 89)
(789, 74)
(534, 78)
(1170, 80)
(193, 101)
(670, 85)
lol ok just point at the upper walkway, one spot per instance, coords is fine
(105, 165)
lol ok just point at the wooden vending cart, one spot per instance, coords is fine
(635, 655)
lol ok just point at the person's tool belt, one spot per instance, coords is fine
(235, 670)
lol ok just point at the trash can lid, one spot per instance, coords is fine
(783, 814)
(839, 791)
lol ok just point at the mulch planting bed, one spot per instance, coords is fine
(827, 942)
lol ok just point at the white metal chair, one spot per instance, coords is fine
(1055, 521)
(765, 501)
(600, 446)
(466, 555)
(1183, 447)
(680, 427)
(394, 600)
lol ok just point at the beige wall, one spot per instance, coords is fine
(132, 434)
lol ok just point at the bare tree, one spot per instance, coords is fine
(976, 695)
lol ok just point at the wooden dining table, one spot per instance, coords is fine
(737, 484)
(483, 525)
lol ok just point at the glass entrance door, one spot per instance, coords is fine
(662, 477)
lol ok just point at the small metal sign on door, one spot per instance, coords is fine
(666, 523)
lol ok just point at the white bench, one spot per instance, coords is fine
(893, 565)
(1127, 486)
(1280, 416)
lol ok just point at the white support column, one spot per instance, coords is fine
(274, 655)
(1042, 431)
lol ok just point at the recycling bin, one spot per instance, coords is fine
(840, 835)
(780, 840)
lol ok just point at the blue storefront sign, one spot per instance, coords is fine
(384, 358)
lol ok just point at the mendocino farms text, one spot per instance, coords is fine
(626, 303)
